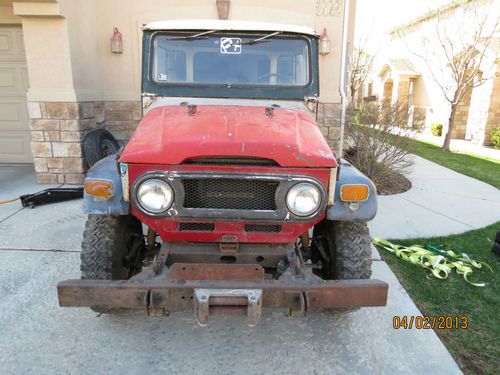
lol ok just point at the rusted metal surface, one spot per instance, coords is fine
(174, 295)
(196, 271)
(161, 259)
(266, 255)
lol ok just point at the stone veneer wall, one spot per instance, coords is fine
(121, 119)
(404, 92)
(329, 123)
(58, 130)
(493, 116)
(461, 117)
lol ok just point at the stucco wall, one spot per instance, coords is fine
(70, 61)
(81, 32)
(7, 15)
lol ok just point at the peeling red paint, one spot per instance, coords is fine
(168, 135)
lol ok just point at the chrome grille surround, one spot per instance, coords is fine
(277, 213)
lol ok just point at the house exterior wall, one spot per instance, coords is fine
(77, 84)
(493, 120)
(417, 42)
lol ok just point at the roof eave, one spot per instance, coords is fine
(225, 25)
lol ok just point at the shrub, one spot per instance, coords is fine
(495, 137)
(379, 140)
(437, 129)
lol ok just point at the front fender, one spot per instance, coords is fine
(106, 169)
(340, 210)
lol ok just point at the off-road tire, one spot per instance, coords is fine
(349, 250)
(353, 250)
(104, 247)
(348, 245)
(98, 144)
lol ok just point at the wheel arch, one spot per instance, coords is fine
(340, 210)
(106, 169)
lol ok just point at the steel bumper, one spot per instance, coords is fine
(203, 288)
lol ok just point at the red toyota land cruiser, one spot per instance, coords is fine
(227, 197)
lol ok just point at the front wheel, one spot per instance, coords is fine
(112, 248)
(344, 248)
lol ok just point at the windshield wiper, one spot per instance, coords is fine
(260, 40)
(195, 36)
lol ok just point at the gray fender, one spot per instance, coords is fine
(340, 211)
(106, 169)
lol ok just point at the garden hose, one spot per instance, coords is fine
(438, 259)
(9, 200)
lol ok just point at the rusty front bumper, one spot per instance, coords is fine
(222, 289)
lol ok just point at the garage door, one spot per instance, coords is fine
(14, 124)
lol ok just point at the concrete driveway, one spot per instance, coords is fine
(39, 247)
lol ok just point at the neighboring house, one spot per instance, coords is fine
(400, 73)
(59, 78)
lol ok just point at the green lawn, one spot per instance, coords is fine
(481, 168)
(477, 349)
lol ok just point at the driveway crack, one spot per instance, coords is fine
(12, 214)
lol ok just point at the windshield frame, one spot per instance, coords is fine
(224, 90)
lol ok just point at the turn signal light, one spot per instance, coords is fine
(354, 193)
(99, 188)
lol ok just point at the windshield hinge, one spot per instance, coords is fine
(311, 102)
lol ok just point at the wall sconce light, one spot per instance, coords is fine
(324, 43)
(117, 41)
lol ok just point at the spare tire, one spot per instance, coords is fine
(98, 144)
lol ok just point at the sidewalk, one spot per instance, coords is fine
(441, 202)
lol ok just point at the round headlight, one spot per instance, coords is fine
(155, 195)
(303, 199)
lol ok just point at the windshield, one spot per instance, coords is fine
(260, 60)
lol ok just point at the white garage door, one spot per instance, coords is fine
(14, 124)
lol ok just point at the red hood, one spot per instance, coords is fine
(169, 135)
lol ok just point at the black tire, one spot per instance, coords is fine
(112, 249)
(348, 246)
(98, 144)
(496, 248)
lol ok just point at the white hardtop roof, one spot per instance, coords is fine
(225, 25)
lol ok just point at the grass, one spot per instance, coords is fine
(479, 167)
(477, 348)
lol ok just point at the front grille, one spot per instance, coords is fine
(228, 193)
(262, 228)
(233, 161)
(201, 227)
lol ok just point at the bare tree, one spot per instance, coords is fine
(460, 53)
(360, 67)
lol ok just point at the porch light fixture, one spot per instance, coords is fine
(223, 8)
(324, 43)
(117, 41)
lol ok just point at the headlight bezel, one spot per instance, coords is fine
(316, 190)
(140, 205)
